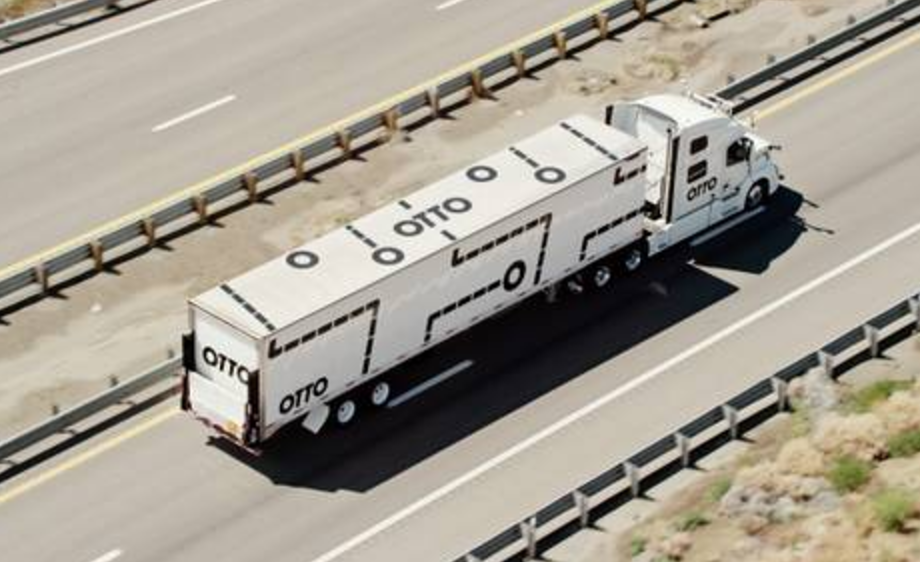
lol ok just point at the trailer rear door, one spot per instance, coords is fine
(225, 361)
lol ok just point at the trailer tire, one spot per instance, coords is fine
(601, 276)
(756, 195)
(345, 412)
(380, 394)
(633, 258)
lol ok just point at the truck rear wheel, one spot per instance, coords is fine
(345, 412)
(601, 277)
(633, 259)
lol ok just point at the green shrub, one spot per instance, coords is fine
(849, 474)
(863, 399)
(893, 507)
(691, 521)
(637, 546)
(905, 444)
(719, 488)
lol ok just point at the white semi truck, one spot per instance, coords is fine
(315, 333)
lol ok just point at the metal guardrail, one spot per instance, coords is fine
(723, 423)
(37, 276)
(82, 411)
(53, 16)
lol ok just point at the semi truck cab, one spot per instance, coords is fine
(703, 164)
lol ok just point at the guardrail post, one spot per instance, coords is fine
(826, 362)
(95, 248)
(602, 23)
(781, 388)
(471, 558)
(251, 182)
(872, 337)
(583, 504)
(297, 162)
(344, 140)
(731, 417)
(201, 207)
(41, 277)
(634, 478)
(434, 102)
(914, 304)
(520, 63)
(150, 231)
(529, 534)
(391, 120)
(683, 445)
(641, 7)
(477, 88)
(561, 43)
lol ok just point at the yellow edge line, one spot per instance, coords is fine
(389, 102)
(164, 416)
(86, 456)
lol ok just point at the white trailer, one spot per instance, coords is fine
(316, 331)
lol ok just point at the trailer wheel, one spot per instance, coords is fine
(345, 412)
(575, 285)
(602, 276)
(380, 394)
(633, 258)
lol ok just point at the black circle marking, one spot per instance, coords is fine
(549, 174)
(210, 356)
(457, 205)
(408, 228)
(388, 255)
(515, 275)
(302, 259)
(481, 173)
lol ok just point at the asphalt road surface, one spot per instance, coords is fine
(420, 482)
(104, 120)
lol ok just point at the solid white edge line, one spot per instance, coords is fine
(193, 113)
(707, 236)
(435, 380)
(448, 4)
(614, 394)
(109, 556)
(107, 37)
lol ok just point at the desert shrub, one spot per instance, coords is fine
(849, 474)
(719, 488)
(904, 444)
(691, 521)
(637, 546)
(892, 508)
(865, 398)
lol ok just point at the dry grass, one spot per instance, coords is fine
(13, 9)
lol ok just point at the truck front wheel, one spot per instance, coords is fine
(756, 195)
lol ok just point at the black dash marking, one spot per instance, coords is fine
(588, 141)
(248, 307)
(448, 235)
(457, 258)
(604, 228)
(360, 236)
(404, 204)
(477, 294)
(520, 154)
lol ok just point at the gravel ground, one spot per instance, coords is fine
(63, 350)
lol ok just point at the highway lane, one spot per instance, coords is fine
(167, 495)
(78, 117)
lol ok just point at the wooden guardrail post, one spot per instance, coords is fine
(683, 447)
(434, 102)
(826, 362)
(634, 478)
(602, 23)
(391, 121)
(872, 338)
(252, 186)
(583, 505)
(529, 534)
(641, 7)
(41, 277)
(95, 248)
(520, 62)
(913, 303)
(344, 141)
(781, 388)
(478, 89)
(150, 231)
(731, 418)
(201, 207)
(297, 162)
(559, 40)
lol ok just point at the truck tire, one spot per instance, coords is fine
(380, 394)
(345, 412)
(601, 276)
(633, 258)
(574, 285)
(756, 196)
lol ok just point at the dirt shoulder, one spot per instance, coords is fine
(836, 481)
(63, 350)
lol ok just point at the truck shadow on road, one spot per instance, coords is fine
(522, 356)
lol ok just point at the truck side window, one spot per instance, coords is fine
(699, 144)
(696, 171)
(737, 152)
